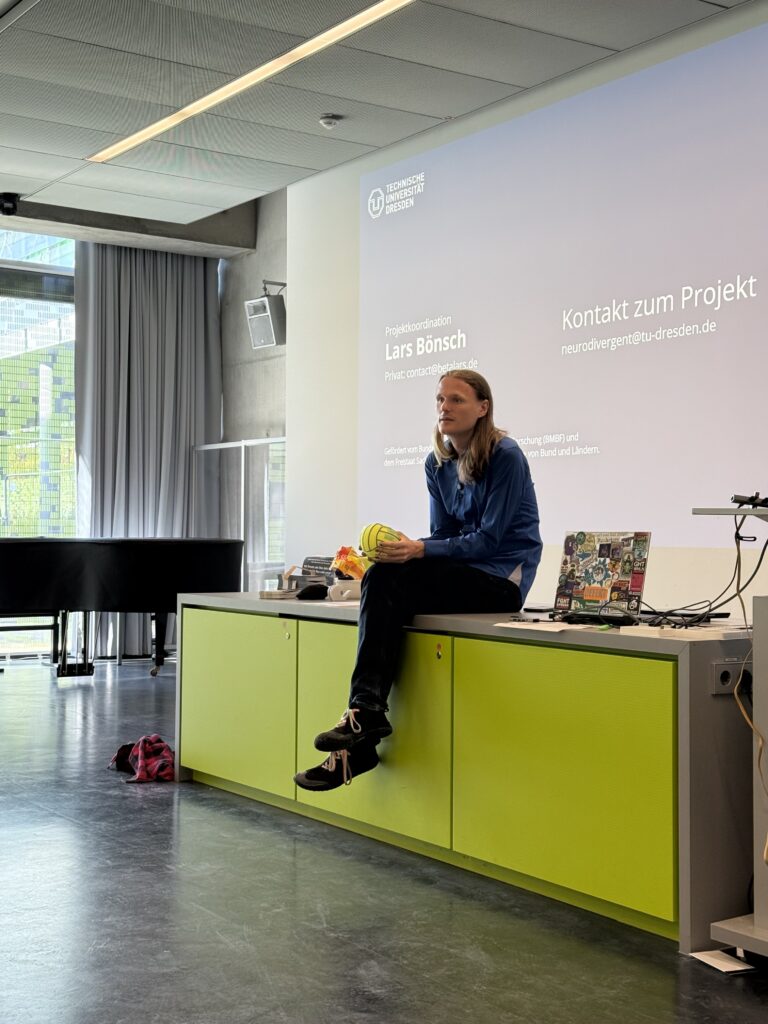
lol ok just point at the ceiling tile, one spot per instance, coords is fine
(259, 175)
(123, 204)
(346, 72)
(39, 165)
(157, 30)
(304, 17)
(160, 186)
(474, 46)
(49, 59)
(616, 25)
(244, 138)
(19, 183)
(300, 110)
(50, 137)
(68, 105)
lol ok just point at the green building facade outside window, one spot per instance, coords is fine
(37, 393)
(37, 388)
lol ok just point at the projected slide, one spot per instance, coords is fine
(603, 263)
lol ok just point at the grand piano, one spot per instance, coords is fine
(44, 576)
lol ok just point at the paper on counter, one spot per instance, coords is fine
(546, 627)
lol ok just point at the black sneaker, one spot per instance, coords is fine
(339, 768)
(356, 724)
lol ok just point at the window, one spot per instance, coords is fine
(37, 394)
(41, 249)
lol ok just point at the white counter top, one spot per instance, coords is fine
(663, 640)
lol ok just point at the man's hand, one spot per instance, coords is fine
(402, 550)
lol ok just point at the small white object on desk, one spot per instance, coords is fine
(345, 590)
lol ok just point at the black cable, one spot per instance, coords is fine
(683, 622)
(743, 586)
(710, 604)
(666, 616)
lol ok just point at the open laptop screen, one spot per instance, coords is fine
(603, 573)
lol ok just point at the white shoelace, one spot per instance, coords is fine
(330, 764)
(350, 715)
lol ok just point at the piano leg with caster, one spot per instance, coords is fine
(161, 627)
(55, 639)
(61, 666)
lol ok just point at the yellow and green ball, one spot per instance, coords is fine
(373, 534)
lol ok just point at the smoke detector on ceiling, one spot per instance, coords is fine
(329, 121)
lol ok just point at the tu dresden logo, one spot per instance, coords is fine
(376, 203)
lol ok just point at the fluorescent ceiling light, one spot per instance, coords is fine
(268, 70)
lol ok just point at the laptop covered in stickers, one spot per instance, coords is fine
(602, 576)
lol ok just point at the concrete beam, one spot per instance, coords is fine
(229, 233)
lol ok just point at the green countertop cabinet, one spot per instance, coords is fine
(607, 769)
(409, 793)
(238, 701)
(565, 769)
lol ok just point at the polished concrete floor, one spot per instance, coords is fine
(178, 904)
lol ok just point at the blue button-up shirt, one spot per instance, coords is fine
(492, 524)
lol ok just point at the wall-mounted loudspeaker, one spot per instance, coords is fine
(266, 320)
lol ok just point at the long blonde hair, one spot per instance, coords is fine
(473, 462)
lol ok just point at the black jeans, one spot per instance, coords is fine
(393, 594)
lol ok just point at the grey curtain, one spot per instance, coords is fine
(147, 389)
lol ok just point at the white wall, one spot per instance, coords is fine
(321, 376)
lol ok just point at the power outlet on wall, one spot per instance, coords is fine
(725, 675)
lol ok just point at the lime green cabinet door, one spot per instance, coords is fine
(238, 698)
(410, 791)
(565, 769)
